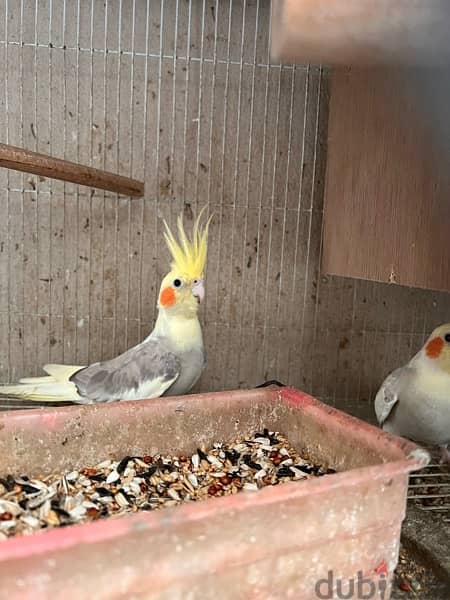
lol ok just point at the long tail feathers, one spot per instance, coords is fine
(61, 373)
(54, 388)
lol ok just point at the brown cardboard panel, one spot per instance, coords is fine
(387, 213)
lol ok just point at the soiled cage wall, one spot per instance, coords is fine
(184, 95)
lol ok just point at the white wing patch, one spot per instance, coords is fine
(149, 389)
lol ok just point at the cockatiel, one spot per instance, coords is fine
(414, 400)
(168, 362)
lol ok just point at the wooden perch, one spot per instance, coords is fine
(56, 168)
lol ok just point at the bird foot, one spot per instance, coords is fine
(445, 455)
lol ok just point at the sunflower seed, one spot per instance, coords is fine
(297, 472)
(193, 480)
(214, 460)
(44, 509)
(106, 500)
(38, 501)
(263, 441)
(260, 474)
(112, 477)
(121, 500)
(103, 465)
(201, 454)
(10, 507)
(240, 447)
(122, 464)
(134, 487)
(173, 494)
(78, 512)
(30, 520)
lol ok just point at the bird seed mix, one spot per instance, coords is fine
(111, 489)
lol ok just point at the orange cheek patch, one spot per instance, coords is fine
(434, 347)
(167, 297)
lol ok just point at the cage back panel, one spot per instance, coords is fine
(184, 95)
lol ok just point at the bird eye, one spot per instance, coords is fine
(447, 338)
(195, 281)
(177, 283)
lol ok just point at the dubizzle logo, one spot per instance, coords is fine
(362, 588)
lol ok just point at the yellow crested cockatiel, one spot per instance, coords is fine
(168, 362)
(414, 400)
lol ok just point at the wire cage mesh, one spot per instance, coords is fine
(182, 94)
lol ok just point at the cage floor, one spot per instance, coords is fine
(429, 490)
(414, 579)
(423, 571)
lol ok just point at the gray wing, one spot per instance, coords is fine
(387, 395)
(145, 371)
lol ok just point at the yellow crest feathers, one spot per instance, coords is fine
(188, 255)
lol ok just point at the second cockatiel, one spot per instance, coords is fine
(414, 400)
(168, 362)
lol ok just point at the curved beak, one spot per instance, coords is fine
(198, 290)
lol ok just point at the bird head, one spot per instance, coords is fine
(437, 347)
(182, 290)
